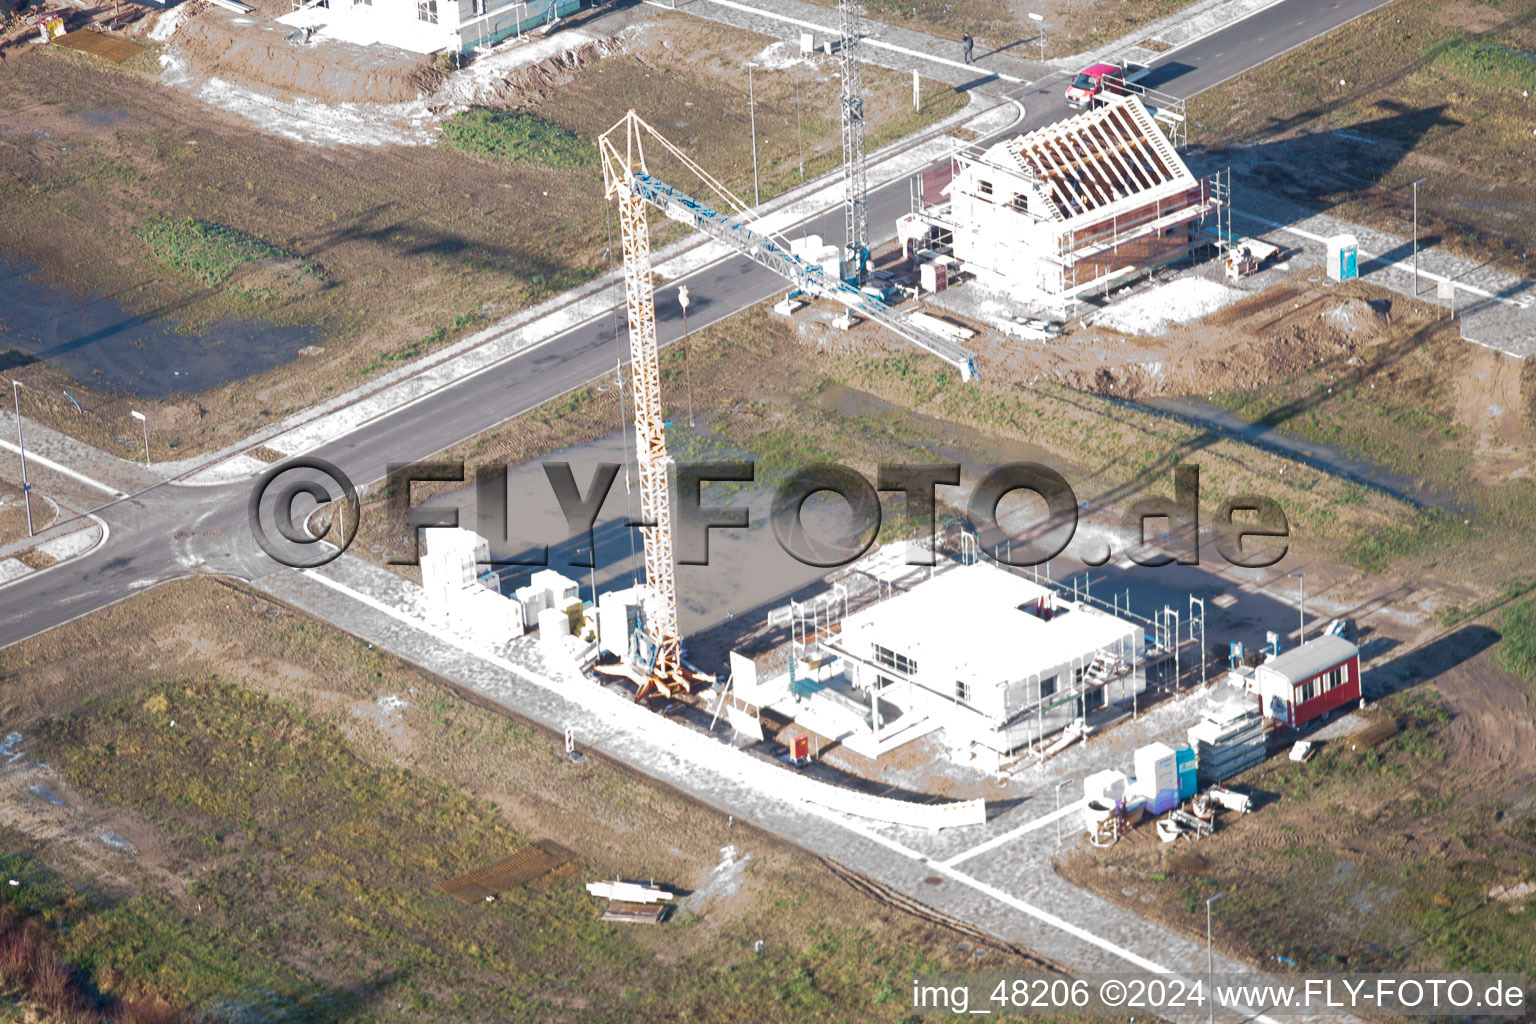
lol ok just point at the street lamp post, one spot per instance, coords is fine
(1301, 607)
(1210, 960)
(757, 195)
(1416, 236)
(1204, 654)
(1040, 20)
(682, 300)
(26, 488)
(145, 424)
(799, 136)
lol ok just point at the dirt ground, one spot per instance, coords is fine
(1383, 859)
(13, 512)
(103, 149)
(300, 874)
(1283, 331)
(222, 44)
(1446, 96)
(1071, 26)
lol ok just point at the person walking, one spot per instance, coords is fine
(970, 49)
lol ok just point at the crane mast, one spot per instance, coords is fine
(661, 667)
(855, 158)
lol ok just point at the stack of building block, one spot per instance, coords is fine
(1228, 739)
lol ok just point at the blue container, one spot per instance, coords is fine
(1184, 759)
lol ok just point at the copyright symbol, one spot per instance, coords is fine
(1112, 993)
(281, 511)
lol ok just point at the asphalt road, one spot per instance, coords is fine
(172, 530)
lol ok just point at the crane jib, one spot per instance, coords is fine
(680, 206)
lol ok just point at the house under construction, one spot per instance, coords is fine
(1067, 210)
(1000, 663)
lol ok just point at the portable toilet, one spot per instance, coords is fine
(1343, 257)
(1158, 775)
(1184, 762)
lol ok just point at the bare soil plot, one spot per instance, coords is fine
(798, 391)
(1385, 859)
(282, 798)
(1444, 95)
(13, 512)
(92, 153)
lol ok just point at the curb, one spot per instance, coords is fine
(103, 534)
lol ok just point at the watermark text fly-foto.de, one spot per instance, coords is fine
(1249, 531)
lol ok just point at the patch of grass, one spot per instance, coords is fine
(1489, 64)
(214, 253)
(1517, 649)
(517, 137)
(1374, 551)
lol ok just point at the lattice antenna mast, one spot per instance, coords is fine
(665, 669)
(855, 158)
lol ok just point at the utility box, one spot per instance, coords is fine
(1343, 257)
(51, 26)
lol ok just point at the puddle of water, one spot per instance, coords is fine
(45, 793)
(118, 843)
(96, 341)
(102, 118)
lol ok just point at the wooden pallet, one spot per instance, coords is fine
(634, 913)
(99, 44)
(542, 860)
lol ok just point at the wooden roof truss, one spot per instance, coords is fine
(1099, 158)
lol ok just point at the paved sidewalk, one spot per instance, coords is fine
(1009, 888)
(80, 467)
(70, 538)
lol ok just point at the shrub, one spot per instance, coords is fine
(1517, 649)
(516, 137)
(212, 253)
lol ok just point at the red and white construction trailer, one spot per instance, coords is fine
(1309, 681)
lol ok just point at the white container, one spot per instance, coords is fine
(1106, 785)
(1157, 772)
(553, 622)
(561, 589)
(533, 600)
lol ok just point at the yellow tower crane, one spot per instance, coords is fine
(656, 662)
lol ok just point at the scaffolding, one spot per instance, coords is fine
(1072, 209)
(855, 154)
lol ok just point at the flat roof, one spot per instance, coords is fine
(969, 620)
(1312, 657)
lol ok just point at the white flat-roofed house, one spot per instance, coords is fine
(429, 26)
(1003, 661)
